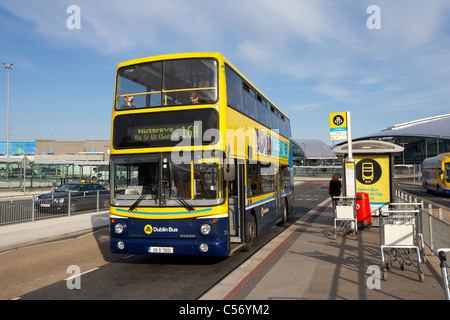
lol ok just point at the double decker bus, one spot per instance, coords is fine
(436, 174)
(201, 160)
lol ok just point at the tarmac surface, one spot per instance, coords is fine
(305, 262)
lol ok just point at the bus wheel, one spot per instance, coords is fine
(285, 212)
(251, 231)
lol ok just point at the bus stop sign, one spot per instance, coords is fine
(338, 126)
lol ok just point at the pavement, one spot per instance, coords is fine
(17, 235)
(305, 262)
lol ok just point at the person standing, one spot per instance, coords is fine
(335, 187)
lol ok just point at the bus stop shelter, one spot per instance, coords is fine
(374, 170)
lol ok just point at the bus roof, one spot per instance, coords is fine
(215, 55)
(441, 157)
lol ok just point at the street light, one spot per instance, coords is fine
(8, 67)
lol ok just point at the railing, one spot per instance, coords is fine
(435, 228)
(316, 171)
(23, 208)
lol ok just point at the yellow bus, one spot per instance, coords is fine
(436, 174)
(201, 160)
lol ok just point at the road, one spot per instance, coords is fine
(417, 190)
(440, 200)
(41, 271)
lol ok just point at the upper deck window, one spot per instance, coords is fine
(167, 83)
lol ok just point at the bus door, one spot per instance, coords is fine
(236, 207)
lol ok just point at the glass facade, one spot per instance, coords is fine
(16, 174)
(416, 148)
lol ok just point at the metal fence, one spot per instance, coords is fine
(435, 225)
(317, 171)
(23, 208)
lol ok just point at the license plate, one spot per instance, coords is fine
(45, 205)
(160, 249)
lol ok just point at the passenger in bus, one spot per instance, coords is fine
(128, 102)
(194, 97)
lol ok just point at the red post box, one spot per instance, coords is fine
(363, 212)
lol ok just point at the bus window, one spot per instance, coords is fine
(206, 181)
(285, 177)
(234, 90)
(260, 178)
(288, 128)
(274, 119)
(249, 101)
(447, 172)
(190, 73)
(263, 114)
(135, 80)
(267, 177)
(182, 180)
(253, 179)
(167, 83)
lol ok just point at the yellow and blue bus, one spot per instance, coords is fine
(436, 174)
(201, 160)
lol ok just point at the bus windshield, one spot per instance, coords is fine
(167, 83)
(157, 180)
(447, 172)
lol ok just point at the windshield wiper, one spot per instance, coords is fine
(147, 191)
(180, 200)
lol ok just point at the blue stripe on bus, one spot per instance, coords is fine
(164, 213)
(268, 199)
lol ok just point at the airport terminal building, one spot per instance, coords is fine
(47, 163)
(421, 138)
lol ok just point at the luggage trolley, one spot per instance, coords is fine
(345, 213)
(444, 269)
(400, 232)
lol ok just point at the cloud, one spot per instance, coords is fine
(369, 81)
(118, 26)
(324, 42)
(338, 93)
(306, 107)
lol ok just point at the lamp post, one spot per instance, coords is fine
(8, 67)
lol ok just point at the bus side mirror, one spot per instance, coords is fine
(229, 170)
(442, 176)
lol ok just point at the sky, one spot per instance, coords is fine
(385, 61)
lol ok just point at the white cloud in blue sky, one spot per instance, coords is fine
(311, 57)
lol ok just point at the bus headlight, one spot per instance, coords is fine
(120, 245)
(204, 247)
(205, 229)
(118, 228)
